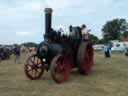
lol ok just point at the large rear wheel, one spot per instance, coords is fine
(85, 57)
(60, 68)
(34, 67)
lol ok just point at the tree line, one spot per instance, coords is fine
(116, 29)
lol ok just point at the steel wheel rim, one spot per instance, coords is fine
(61, 68)
(34, 68)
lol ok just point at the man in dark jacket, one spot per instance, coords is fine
(17, 54)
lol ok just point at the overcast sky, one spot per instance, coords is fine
(23, 20)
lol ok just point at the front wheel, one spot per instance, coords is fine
(60, 68)
(34, 67)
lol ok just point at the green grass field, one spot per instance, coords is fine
(109, 78)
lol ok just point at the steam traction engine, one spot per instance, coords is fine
(60, 53)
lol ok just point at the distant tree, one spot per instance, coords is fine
(15, 44)
(29, 44)
(101, 41)
(125, 34)
(93, 38)
(114, 29)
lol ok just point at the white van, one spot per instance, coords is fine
(119, 46)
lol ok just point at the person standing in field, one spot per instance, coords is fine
(17, 54)
(84, 32)
(107, 51)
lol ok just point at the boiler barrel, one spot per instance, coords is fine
(48, 20)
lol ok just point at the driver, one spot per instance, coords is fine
(84, 32)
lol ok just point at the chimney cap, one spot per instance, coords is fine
(48, 10)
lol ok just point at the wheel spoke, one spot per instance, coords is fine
(29, 65)
(32, 72)
(29, 70)
(35, 73)
(38, 61)
(32, 60)
(35, 60)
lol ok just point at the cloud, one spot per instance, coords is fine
(19, 15)
(24, 33)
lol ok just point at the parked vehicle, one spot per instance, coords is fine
(119, 46)
(4, 53)
(98, 47)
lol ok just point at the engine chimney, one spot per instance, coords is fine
(48, 20)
